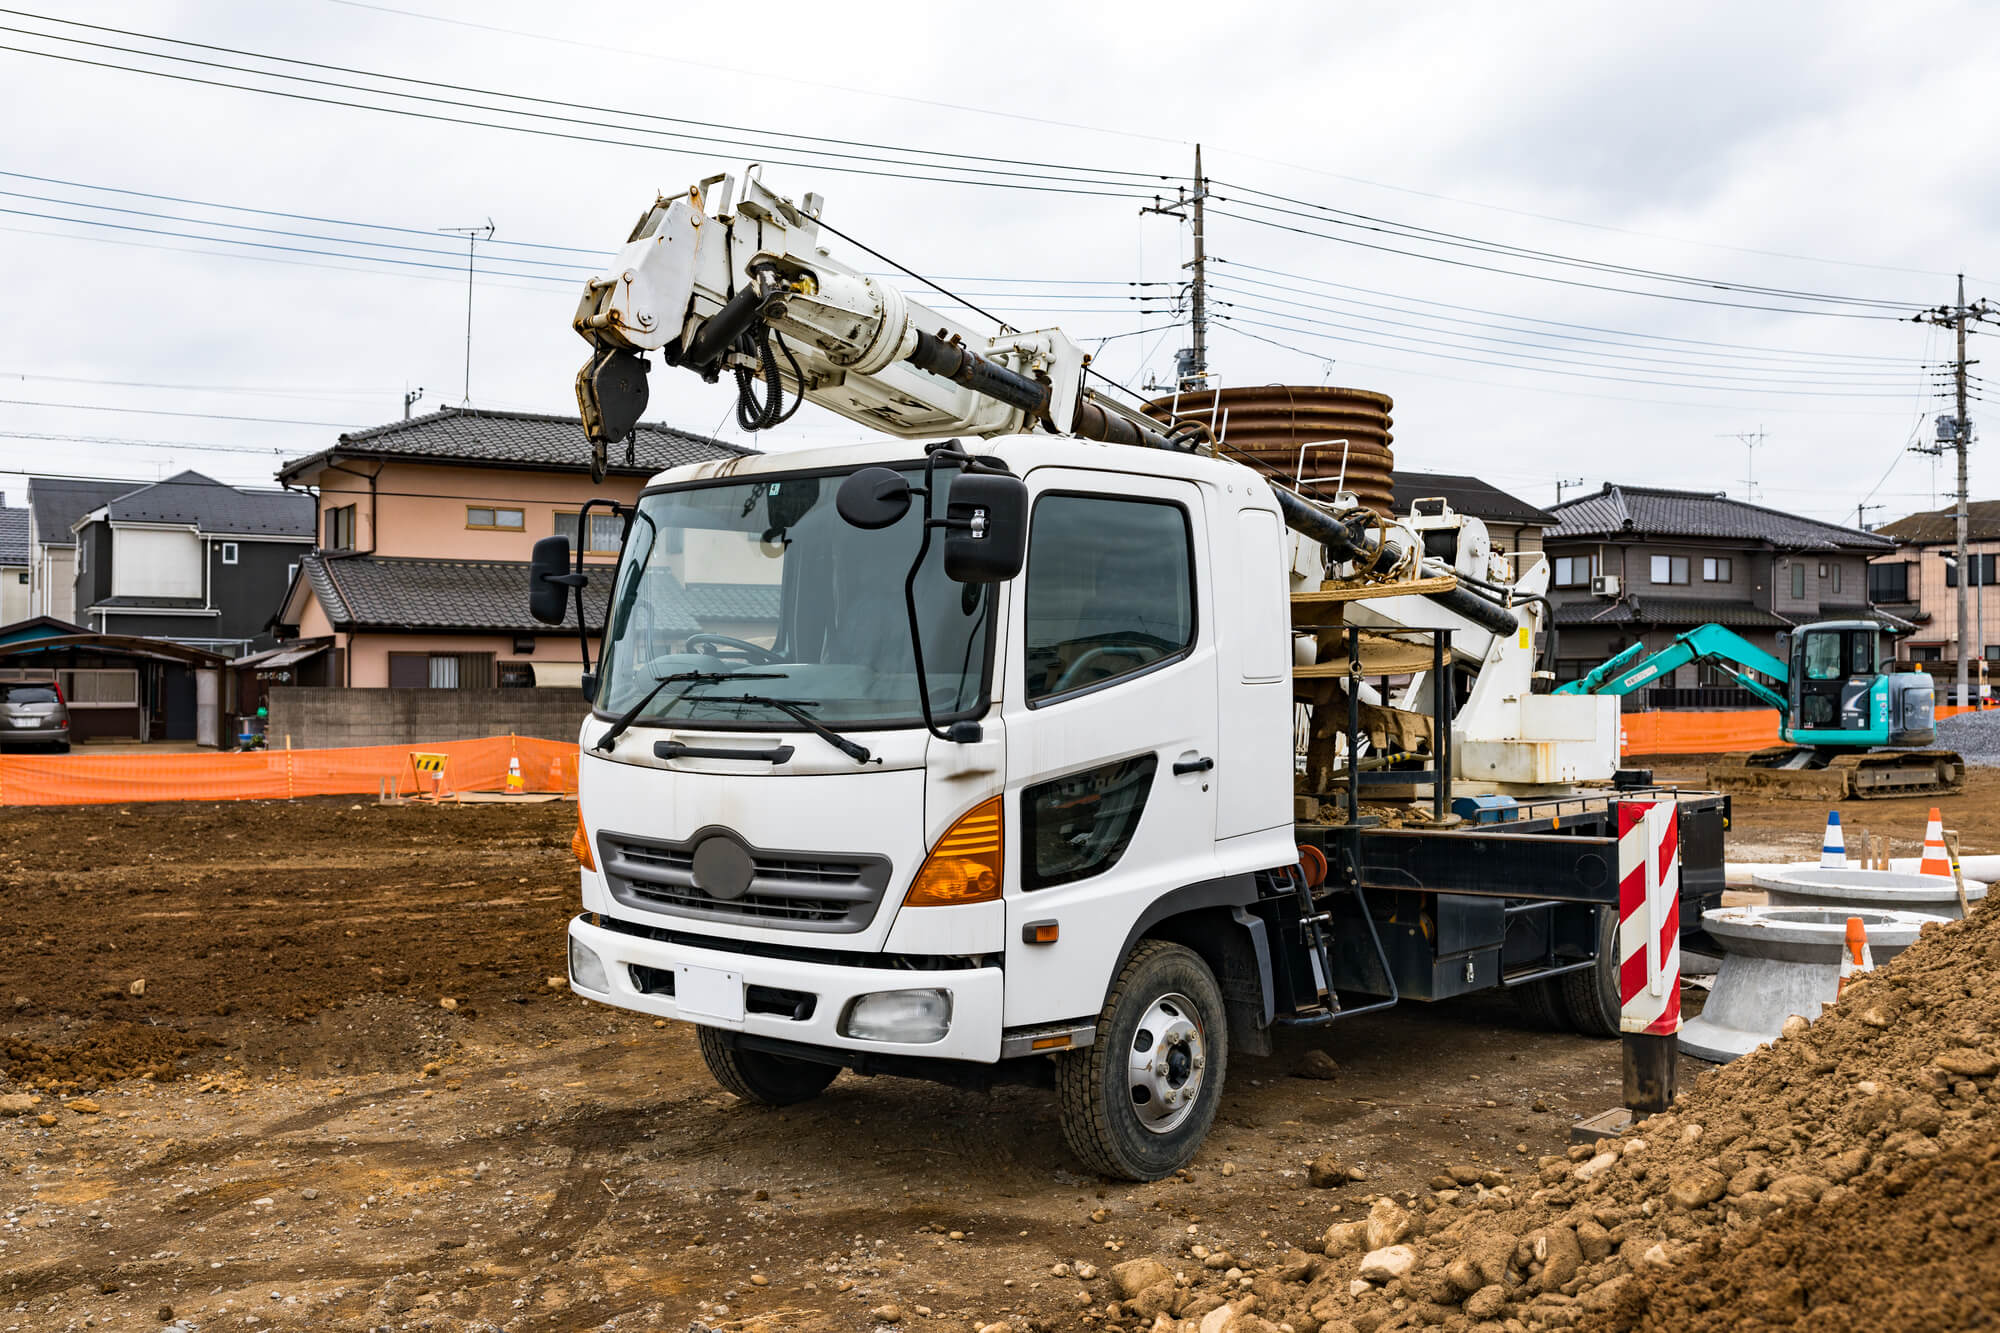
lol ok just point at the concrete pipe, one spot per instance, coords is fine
(1780, 961)
(1811, 886)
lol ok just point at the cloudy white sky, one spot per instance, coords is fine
(1841, 150)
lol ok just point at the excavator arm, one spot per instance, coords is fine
(1719, 647)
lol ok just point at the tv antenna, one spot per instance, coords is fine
(473, 236)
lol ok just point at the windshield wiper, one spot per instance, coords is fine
(690, 679)
(796, 709)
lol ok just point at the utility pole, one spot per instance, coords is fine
(1192, 372)
(472, 235)
(1562, 485)
(1861, 515)
(1956, 317)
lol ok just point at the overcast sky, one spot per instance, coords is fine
(1842, 150)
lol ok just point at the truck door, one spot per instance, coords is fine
(1110, 703)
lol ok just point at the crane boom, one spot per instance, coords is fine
(1722, 648)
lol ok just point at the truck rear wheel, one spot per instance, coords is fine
(1590, 999)
(759, 1076)
(1137, 1103)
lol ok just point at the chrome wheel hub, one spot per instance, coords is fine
(1167, 1064)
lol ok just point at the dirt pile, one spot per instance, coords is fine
(102, 1055)
(1847, 1177)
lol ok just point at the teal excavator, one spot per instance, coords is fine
(1852, 726)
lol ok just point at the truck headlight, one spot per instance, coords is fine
(586, 969)
(915, 1017)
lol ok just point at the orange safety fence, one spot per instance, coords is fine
(1658, 731)
(276, 775)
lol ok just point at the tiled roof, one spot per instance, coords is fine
(383, 592)
(14, 537)
(58, 502)
(1467, 495)
(1646, 511)
(1941, 525)
(532, 440)
(733, 601)
(1636, 610)
(214, 508)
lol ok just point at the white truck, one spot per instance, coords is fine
(980, 760)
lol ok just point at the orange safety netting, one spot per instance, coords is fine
(275, 775)
(1675, 732)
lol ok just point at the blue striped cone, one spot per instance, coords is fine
(1833, 852)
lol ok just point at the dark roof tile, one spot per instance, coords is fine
(535, 440)
(1467, 495)
(14, 537)
(216, 509)
(1941, 525)
(1675, 611)
(1647, 511)
(58, 502)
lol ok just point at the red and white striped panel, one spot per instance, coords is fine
(1649, 917)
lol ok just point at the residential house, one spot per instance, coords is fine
(1642, 563)
(15, 561)
(191, 560)
(420, 576)
(54, 506)
(1919, 581)
(1514, 526)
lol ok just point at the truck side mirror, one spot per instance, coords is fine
(986, 527)
(874, 497)
(549, 580)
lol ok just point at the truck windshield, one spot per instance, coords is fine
(763, 579)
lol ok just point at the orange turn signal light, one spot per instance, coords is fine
(579, 844)
(965, 865)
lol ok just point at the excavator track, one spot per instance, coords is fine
(1782, 772)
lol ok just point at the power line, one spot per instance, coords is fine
(1121, 182)
(1410, 231)
(164, 412)
(1406, 300)
(1548, 277)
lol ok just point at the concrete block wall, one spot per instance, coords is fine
(326, 716)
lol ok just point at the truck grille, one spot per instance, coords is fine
(819, 891)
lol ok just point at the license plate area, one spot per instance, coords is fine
(708, 992)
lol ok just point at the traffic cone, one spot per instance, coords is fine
(1833, 851)
(515, 783)
(1936, 861)
(1854, 955)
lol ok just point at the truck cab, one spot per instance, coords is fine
(1108, 756)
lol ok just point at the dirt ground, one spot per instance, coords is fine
(285, 1126)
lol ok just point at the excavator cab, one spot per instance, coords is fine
(1835, 668)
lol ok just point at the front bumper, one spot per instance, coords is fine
(976, 1011)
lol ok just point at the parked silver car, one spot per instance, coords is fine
(33, 712)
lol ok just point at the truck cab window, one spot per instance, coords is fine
(1110, 591)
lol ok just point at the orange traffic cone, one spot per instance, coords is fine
(515, 783)
(1854, 956)
(1936, 861)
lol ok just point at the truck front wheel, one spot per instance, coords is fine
(1137, 1103)
(759, 1076)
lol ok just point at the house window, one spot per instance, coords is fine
(440, 671)
(496, 520)
(1836, 578)
(1715, 569)
(517, 675)
(83, 552)
(1890, 582)
(1798, 578)
(605, 532)
(340, 528)
(1985, 568)
(1574, 571)
(1670, 569)
(229, 551)
(292, 572)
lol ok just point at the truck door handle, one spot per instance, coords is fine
(1187, 766)
(777, 754)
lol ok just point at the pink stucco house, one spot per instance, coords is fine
(419, 578)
